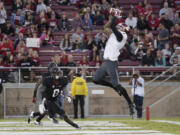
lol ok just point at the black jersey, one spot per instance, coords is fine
(54, 87)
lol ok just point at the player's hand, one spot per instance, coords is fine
(115, 12)
(34, 100)
(68, 99)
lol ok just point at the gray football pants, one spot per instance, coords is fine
(108, 68)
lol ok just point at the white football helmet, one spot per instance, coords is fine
(123, 27)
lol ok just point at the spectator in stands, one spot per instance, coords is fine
(33, 28)
(153, 22)
(163, 36)
(148, 10)
(64, 58)
(42, 15)
(90, 13)
(131, 21)
(8, 29)
(70, 63)
(18, 4)
(30, 52)
(175, 36)
(17, 18)
(78, 33)
(3, 16)
(35, 58)
(77, 46)
(142, 24)
(148, 59)
(41, 6)
(26, 62)
(176, 19)
(53, 22)
(99, 19)
(159, 59)
(20, 29)
(42, 24)
(102, 43)
(64, 24)
(84, 63)
(89, 43)
(168, 1)
(16, 42)
(167, 23)
(46, 38)
(167, 53)
(29, 19)
(77, 21)
(21, 47)
(66, 44)
(5, 45)
(87, 23)
(164, 10)
(57, 60)
(49, 12)
(140, 8)
(175, 54)
(30, 5)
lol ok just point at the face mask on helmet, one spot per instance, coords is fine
(55, 73)
(123, 27)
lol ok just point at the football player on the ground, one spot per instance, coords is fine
(115, 43)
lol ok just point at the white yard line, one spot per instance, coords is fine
(167, 121)
(62, 128)
(87, 128)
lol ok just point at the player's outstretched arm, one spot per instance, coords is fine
(118, 34)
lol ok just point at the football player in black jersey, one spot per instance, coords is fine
(53, 85)
(38, 97)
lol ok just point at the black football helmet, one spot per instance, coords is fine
(54, 70)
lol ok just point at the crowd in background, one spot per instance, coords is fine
(154, 39)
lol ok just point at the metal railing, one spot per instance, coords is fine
(125, 69)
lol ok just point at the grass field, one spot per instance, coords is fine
(108, 126)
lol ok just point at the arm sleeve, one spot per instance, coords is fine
(40, 91)
(118, 34)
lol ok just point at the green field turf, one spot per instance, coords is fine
(146, 125)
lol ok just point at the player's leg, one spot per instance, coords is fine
(33, 115)
(82, 105)
(112, 70)
(99, 77)
(39, 118)
(56, 108)
(75, 102)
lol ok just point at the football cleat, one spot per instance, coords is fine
(30, 117)
(76, 126)
(37, 123)
(53, 120)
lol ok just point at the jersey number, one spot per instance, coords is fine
(55, 93)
